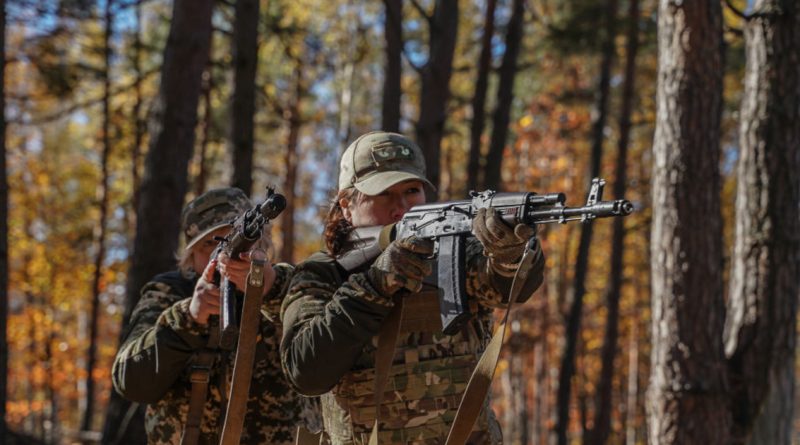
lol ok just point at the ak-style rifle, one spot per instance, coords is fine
(247, 230)
(450, 223)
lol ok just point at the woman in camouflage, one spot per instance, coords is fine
(169, 333)
(332, 316)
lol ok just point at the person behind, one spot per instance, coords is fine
(168, 339)
(331, 317)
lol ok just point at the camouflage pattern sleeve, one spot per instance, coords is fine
(271, 308)
(490, 283)
(326, 324)
(162, 338)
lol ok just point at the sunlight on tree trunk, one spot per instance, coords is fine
(686, 397)
(761, 327)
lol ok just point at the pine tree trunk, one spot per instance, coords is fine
(348, 70)
(243, 104)
(392, 90)
(291, 165)
(164, 183)
(540, 393)
(773, 426)
(686, 397)
(760, 331)
(205, 133)
(505, 95)
(139, 124)
(172, 130)
(435, 90)
(479, 98)
(97, 284)
(582, 259)
(603, 408)
(632, 388)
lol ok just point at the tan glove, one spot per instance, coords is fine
(402, 265)
(501, 243)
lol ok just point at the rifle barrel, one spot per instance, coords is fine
(603, 209)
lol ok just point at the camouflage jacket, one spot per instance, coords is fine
(153, 364)
(330, 321)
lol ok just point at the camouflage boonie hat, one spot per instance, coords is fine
(210, 211)
(378, 160)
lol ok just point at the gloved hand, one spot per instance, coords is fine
(403, 264)
(501, 243)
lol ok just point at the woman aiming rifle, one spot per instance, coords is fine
(168, 354)
(333, 317)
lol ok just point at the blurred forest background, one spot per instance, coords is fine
(119, 111)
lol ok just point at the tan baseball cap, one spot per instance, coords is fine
(210, 211)
(378, 160)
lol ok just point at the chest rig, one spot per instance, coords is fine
(423, 384)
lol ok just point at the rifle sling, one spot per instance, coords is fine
(481, 379)
(387, 339)
(245, 354)
(200, 376)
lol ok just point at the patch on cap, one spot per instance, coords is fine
(378, 160)
(210, 211)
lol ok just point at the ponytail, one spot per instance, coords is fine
(337, 227)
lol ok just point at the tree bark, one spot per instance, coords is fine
(164, 183)
(139, 124)
(435, 90)
(632, 387)
(603, 408)
(243, 104)
(97, 284)
(479, 98)
(205, 132)
(349, 56)
(760, 331)
(540, 393)
(172, 132)
(505, 96)
(291, 165)
(582, 259)
(392, 89)
(686, 398)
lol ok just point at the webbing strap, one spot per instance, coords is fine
(245, 354)
(387, 339)
(481, 379)
(200, 376)
(305, 437)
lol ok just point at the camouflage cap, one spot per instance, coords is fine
(210, 211)
(378, 160)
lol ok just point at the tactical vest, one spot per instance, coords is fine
(428, 377)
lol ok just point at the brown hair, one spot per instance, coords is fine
(337, 228)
